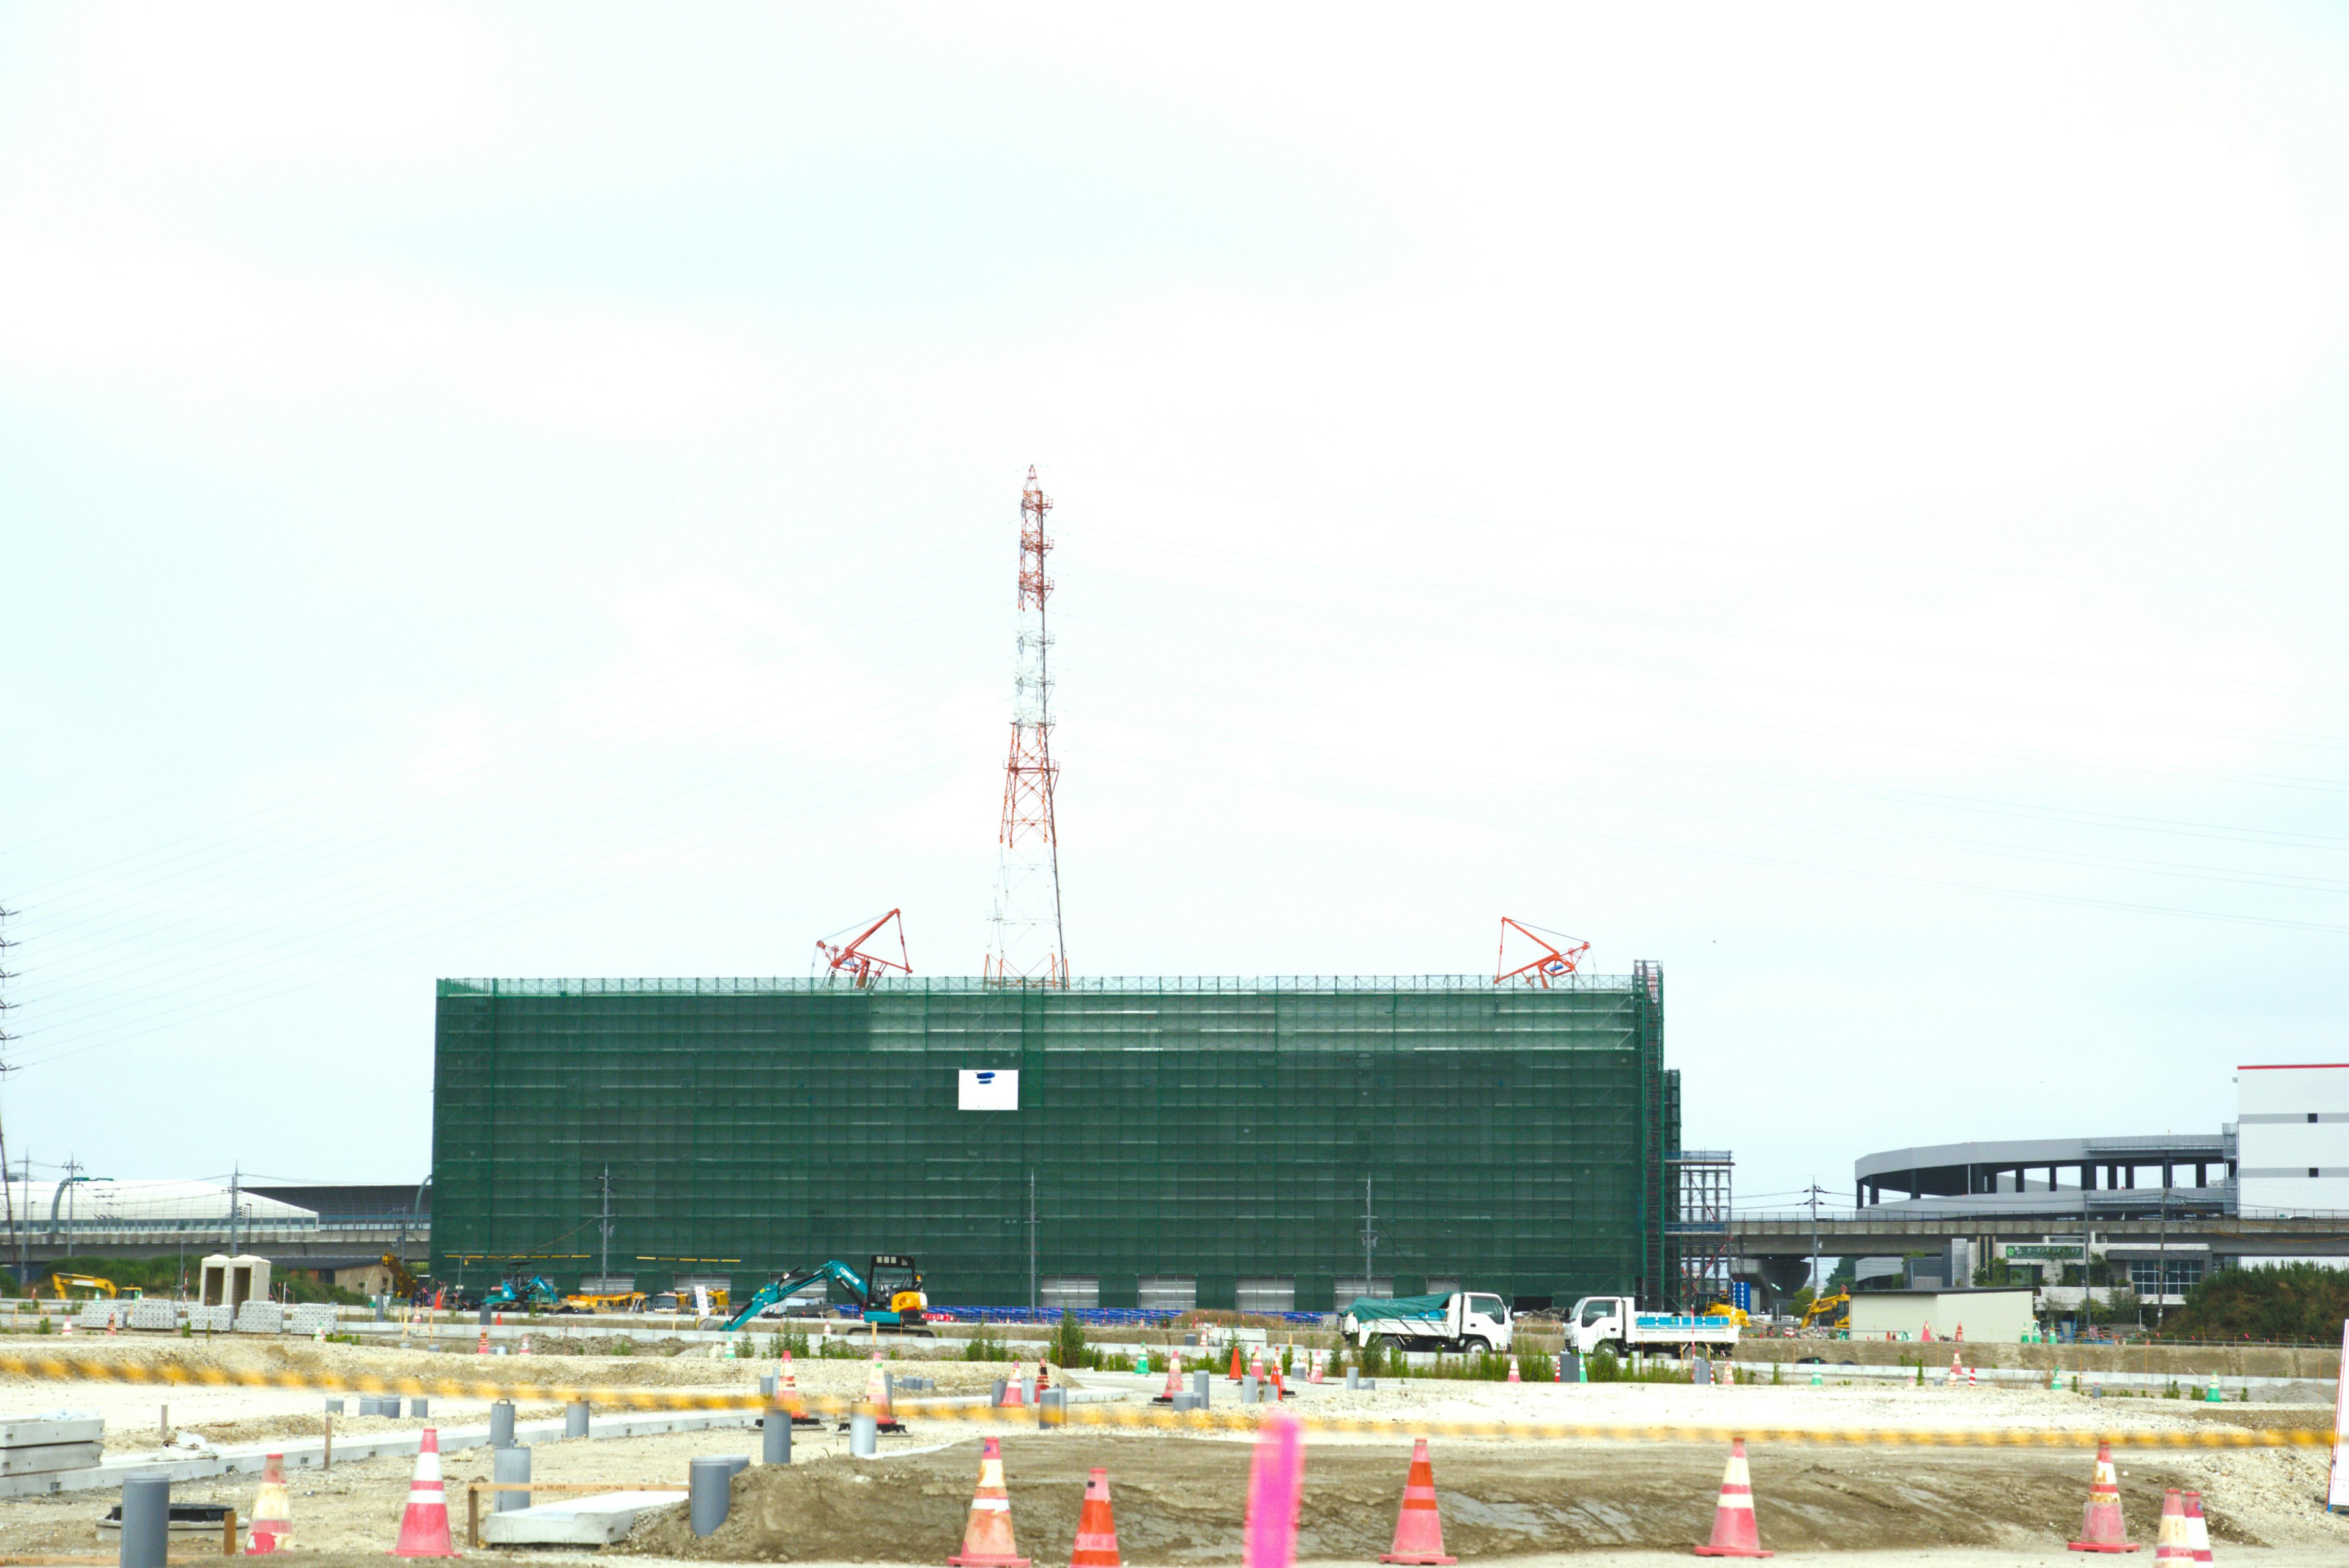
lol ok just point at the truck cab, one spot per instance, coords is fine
(1465, 1322)
(1616, 1320)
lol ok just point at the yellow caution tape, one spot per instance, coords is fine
(64, 1368)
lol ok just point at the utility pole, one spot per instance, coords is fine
(604, 1265)
(235, 1181)
(1369, 1241)
(1817, 1285)
(9, 1193)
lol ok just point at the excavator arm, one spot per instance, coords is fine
(776, 1290)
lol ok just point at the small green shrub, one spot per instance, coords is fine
(1068, 1347)
(984, 1347)
(625, 1347)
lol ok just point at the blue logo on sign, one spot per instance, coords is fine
(986, 1078)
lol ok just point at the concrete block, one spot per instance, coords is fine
(211, 1319)
(311, 1317)
(41, 1459)
(58, 1427)
(595, 1520)
(163, 1315)
(259, 1318)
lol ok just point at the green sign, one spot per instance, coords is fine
(2046, 1252)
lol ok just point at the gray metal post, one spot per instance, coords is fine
(1199, 1383)
(863, 1436)
(709, 1493)
(502, 1424)
(767, 1384)
(508, 1465)
(777, 1425)
(1353, 1378)
(736, 1463)
(1248, 1389)
(485, 1317)
(888, 1389)
(146, 1519)
(334, 1407)
(574, 1420)
(1001, 1386)
(1053, 1408)
(417, 1407)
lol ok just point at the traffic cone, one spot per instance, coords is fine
(273, 1511)
(483, 1347)
(2198, 1535)
(1011, 1395)
(1313, 1374)
(986, 1539)
(525, 1344)
(1096, 1530)
(1419, 1528)
(1956, 1370)
(424, 1528)
(1174, 1381)
(2101, 1526)
(2169, 1545)
(1973, 1376)
(1513, 1371)
(1236, 1360)
(1043, 1374)
(1734, 1532)
(791, 1379)
(111, 1330)
(67, 1330)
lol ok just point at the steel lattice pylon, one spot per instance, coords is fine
(1030, 947)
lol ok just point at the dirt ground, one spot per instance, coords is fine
(1179, 1495)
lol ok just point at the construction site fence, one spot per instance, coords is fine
(743, 985)
(1130, 1418)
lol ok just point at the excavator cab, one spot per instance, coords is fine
(894, 1286)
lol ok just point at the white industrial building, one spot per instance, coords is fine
(2292, 1137)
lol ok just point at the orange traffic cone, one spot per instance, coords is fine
(1011, 1394)
(273, 1511)
(2169, 1545)
(424, 1528)
(1734, 1532)
(986, 1539)
(1256, 1364)
(1174, 1381)
(1096, 1530)
(525, 1344)
(1513, 1371)
(1043, 1374)
(1314, 1375)
(1236, 1356)
(68, 1329)
(2101, 1527)
(483, 1347)
(110, 1329)
(1957, 1369)
(2198, 1535)
(1419, 1528)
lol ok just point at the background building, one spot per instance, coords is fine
(1120, 1143)
(2292, 1124)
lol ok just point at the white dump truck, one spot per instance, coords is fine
(1616, 1320)
(1463, 1321)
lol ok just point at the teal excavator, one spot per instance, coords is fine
(888, 1294)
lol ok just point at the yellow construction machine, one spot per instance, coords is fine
(1735, 1315)
(1829, 1312)
(63, 1286)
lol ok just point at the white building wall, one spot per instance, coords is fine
(2292, 1119)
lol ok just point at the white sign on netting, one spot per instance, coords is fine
(988, 1090)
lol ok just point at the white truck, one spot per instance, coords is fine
(1463, 1321)
(1616, 1320)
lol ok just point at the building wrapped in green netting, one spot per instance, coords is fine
(1153, 1142)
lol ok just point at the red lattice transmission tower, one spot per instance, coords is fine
(1030, 947)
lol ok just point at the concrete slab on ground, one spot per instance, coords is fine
(597, 1520)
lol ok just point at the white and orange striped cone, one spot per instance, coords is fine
(2197, 1533)
(2169, 1545)
(1734, 1532)
(1096, 1544)
(2101, 1526)
(876, 1398)
(1043, 1374)
(1960, 1335)
(424, 1528)
(1973, 1376)
(111, 1330)
(68, 1329)
(1256, 1364)
(273, 1511)
(1314, 1373)
(525, 1344)
(1418, 1528)
(1513, 1371)
(483, 1349)
(1011, 1394)
(1957, 1369)
(986, 1539)
(1174, 1381)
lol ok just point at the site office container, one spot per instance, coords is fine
(1201, 1130)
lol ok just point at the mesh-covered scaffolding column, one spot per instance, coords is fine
(1698, 1231)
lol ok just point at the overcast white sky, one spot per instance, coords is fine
(1843, 502)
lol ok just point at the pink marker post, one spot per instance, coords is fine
(1275, 1487)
